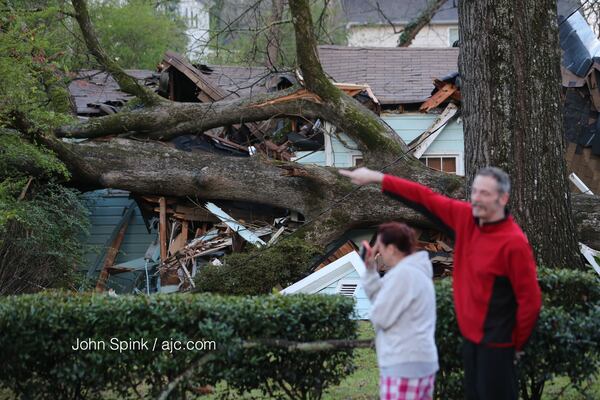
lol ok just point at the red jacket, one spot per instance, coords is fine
(496, 294)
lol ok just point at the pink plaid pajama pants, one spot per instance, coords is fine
(406, 388)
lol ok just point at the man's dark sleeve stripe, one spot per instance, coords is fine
(420, 208)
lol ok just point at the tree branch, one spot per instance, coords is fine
(166, 121)
(356, 120)
(412, 29)
(311, 347)
(127, 83)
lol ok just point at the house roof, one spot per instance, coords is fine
(362, 12)
(581, 47)
(97, 87)
(327, 275)
(397, 75)
(243, 81)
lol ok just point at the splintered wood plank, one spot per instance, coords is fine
(163, 228)
(111, 255)
(438, 97)
(184, 231)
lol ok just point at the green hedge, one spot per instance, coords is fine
(565, 341)
(38, 331)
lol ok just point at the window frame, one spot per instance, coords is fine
(459, 160)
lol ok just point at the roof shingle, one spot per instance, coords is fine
(397, 75)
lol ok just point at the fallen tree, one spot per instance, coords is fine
(151, 167)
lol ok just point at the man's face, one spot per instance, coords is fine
(486, 200)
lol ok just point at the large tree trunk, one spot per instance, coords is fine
(319, 194)
(509, 66)
(155, 168)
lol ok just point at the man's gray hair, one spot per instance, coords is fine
(500, 176)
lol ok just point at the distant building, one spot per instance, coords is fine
(195, 13)
(379, 22)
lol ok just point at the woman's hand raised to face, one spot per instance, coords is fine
(370, 255)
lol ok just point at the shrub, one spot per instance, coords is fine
(38, 362)
(564, 342)
(258, 271)
(40, 233)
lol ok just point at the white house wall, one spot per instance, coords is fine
(196, 16)
(437, 35)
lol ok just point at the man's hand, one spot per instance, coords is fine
(362, 176)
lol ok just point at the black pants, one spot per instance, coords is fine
(489, 372)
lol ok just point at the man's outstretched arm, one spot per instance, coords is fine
(444, 209)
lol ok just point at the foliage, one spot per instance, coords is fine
(136, 33)
(40, 46)
(16, 155)
(35, 49)
(240, 34)
(40, 221)
(38, 332)
(259, 270)
(448, 381)
(564, 343)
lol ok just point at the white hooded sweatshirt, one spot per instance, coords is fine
(403, 314)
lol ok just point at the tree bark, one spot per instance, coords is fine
(412, 29)
(274, 36)
(509, 66)
(155, 168)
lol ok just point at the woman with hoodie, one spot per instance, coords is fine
(402, 313)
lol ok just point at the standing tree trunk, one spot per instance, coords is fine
(274, 36)
(509, 65)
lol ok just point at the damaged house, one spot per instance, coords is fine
(147, 244)
(150, 243)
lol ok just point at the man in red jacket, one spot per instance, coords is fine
(496, 295)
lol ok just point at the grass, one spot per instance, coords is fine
(363, 384)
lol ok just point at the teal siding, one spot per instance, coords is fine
(449, 141)
(343, 150)
(106, 208)
(408, 126)
(309, 157)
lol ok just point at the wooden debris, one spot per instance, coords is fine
(244, 232)
(113, 250)
(340, 252)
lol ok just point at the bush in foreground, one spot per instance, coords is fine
(38, 331)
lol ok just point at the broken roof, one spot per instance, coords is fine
(580, 46)
(397, 75)
(96, 87)
(380, 12)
